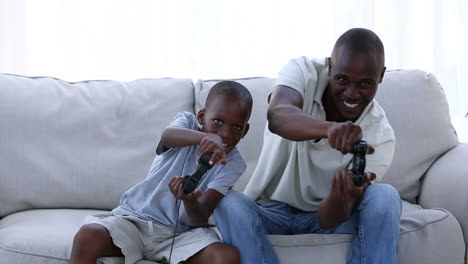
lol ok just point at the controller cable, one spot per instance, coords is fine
(189, 183)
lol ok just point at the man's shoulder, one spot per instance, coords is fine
(310, 64)
(376, 120)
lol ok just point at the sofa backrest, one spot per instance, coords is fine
(415, 105)
(80, 145)
(418, 111)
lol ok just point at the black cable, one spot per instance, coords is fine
(189, 183)
(178, 203)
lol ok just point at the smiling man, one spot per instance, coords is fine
(317, 111)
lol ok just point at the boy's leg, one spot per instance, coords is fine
(216, 253)
(244, 225)
(91, 242)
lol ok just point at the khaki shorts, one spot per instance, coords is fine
(139, 239)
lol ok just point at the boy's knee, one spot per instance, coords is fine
(224, 254)
(90, 237)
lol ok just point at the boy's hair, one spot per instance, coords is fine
(230, 88)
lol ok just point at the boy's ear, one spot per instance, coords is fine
(246, 129)
(201, 116)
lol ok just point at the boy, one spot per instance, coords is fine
(142, 226)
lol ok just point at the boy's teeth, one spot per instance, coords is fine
(350, 105)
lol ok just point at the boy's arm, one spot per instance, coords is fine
(198, 207)
(180, 137)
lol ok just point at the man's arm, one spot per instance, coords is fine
(198, 207)
(286, 118)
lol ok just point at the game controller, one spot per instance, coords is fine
(191, 182)
(359, 162)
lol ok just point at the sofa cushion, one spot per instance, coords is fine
(251, 145)
(40, 236)
(45, 236)
(418, 111)
(80, 145)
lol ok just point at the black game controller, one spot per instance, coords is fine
(359, 162)
(191, 182)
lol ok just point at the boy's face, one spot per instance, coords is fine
(353, 83)
(228, 117)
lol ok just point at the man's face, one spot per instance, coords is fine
(353, 83)
(227, 117)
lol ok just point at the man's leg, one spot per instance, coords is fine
(378, 226)
(244, 224)
(375, 224)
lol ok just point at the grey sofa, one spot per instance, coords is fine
(71, 149)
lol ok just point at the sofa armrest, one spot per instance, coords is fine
(445, 185)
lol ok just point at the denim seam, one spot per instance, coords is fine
(362, 242)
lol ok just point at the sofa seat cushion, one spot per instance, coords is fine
(43, 236)
(40, 236)
(46, 236)
(417, 228)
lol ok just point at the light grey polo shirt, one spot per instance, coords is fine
(300, 173)
(152, 200)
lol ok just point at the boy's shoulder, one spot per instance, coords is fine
(185, 120)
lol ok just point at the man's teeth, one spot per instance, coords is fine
(350, 105)
(225, 145)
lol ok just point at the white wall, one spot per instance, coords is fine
(129, 39)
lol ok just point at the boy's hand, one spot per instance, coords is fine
(213, 143)
(175, 185)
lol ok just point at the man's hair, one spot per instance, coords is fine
(230, 88)
(361, 40)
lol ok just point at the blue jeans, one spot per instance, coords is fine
(374, 224)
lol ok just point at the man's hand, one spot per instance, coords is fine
(344, 194)
(343, 136)
(175, 185)
(346, 191)
(213, 143)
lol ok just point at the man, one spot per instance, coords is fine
(317, 111)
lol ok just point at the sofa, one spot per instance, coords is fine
(68, 150)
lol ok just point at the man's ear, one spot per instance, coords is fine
(329, 65)
(201, 116)
(246, 129)
(382, 74)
